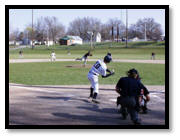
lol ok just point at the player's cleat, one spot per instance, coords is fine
(137, 122)
(144, 110)
(90, 97)
(124, 116)
(119, 108)
(95, 101)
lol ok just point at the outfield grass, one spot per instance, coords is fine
(57, 73)
(137, 50)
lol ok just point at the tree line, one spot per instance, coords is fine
(49, 28)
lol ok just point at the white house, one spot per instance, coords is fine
(77, 40)
(49, 43)
(71, 40)
(98, 37)
(17, 43)
(135, 39)
(163, 37)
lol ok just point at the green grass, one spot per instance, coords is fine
(135, 50)
(58, 73)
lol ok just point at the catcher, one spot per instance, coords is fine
(84, 58)
(144, 97)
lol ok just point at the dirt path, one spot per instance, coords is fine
(68, 105)
(114, 60)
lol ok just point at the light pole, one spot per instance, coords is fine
(145, 37)
(91, 34)
(126, 28)
(32, 31)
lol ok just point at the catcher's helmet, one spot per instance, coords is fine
(107, 58)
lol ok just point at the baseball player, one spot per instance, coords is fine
(99, 68)
(153, 56)
(144, 97)
(20, 54)
(53, 56)
(84, 58)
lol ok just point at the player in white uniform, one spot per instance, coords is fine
(53, 56)
(99, 68)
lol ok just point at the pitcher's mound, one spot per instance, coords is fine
(79, 66)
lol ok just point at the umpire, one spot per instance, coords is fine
(129, 89)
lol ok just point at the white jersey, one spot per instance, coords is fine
(99, 68)
(53, 54)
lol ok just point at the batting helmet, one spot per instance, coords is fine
(109, 54)
(107, 58)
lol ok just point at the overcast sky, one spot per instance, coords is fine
(19, 18)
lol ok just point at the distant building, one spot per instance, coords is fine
(163, 37)
(70, 40)
(135, 39)
(26, 41)
(98, 37)
(49, 42)
(11, 42)
(16, 43)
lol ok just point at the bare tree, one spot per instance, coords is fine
(20, 36)
(146, 28)
(117, 26)
(54, 28)
(45, 28)
(40, 30)
(105, 32)
(134, 32)
(14, 35)
(81, 26)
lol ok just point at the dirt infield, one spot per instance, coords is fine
(68, 105)
(114, 60)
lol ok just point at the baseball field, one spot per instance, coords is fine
(55, 93)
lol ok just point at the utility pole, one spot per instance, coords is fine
(91, 34)
(112, 33)
(145, 37)
(91, 39)
(126, 28)
(32, 31)
(117, 32)
(47, 39)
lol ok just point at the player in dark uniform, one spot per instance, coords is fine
(129, 89)
(153, 56)
(20, 53)
(84, 58)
